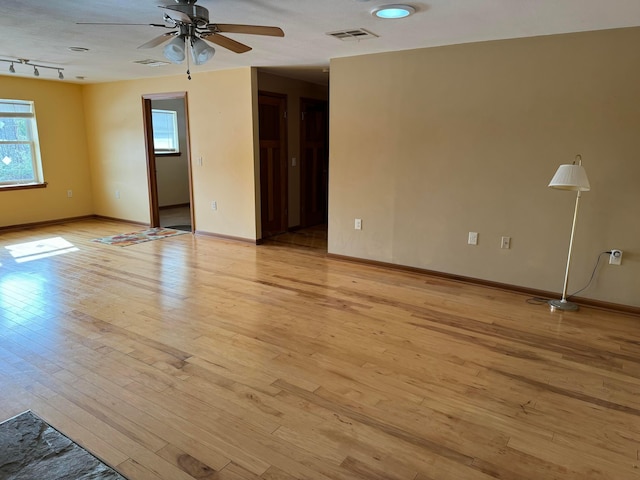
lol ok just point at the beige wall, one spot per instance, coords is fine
(221, 133)
(294, 90)
(63, 149)
(427, 145)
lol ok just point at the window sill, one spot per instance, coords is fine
(167, 154)
(23, 186)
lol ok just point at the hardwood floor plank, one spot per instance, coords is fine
(194, 357)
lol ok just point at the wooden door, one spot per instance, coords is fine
(314, 162)
(273, 163)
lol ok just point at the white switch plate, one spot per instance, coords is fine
(69, 193)
(358, 224)
(505, 242)
(473, 238)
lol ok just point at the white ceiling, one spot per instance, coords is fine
(42, 31)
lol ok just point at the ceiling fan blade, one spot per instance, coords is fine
(158, 40)
(177, 15)
(250, 29)
(134, 24)
(226, 42)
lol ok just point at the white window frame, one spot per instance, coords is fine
(33, 142)
(172, 139)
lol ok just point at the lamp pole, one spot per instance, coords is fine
(573, 229)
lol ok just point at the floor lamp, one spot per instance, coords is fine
(569, 177)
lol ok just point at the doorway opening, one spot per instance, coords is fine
(166, 124)
(272, 128)
(314, 163)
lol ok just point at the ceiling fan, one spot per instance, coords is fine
(190, 24)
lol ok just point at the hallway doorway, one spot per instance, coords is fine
(168, 161)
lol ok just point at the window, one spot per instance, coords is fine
(19, 149)
(165, 131)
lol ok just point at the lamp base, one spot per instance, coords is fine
(563, 305)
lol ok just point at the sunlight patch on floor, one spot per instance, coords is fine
(48, 247)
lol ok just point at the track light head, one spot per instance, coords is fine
(12, 68)
(36, 73)
(60, 75)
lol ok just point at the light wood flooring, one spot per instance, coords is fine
(312, 237)
(198, 358)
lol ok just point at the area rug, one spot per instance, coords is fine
(126, 239)
(30, 449)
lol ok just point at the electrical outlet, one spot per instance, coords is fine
(69, 193)
(214, 205)
(473, 238)
(505, 242)
(615, 257)
(358, 224)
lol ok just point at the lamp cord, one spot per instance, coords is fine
(541, 300)
(593, 273)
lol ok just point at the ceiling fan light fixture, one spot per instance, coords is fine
(201, 52)
(389, 12)
(174, 51)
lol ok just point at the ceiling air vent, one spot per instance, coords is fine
(151, 63)
(353, 34)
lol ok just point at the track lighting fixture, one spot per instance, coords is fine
(36, 66)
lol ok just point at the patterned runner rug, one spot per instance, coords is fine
(126, 239)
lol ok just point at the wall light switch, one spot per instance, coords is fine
(505, 242)
(358, 224)
(69, 193)
(473, 238)
(214, 205)
(294, 161)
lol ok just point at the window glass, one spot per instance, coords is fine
(165, 131)
(19, 150)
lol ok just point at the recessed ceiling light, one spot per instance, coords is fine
(78, 49)
(394, 11)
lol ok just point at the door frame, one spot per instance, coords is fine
(152, 180)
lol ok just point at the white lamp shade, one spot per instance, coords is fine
(201, 52)
(174, 51)
(571, 177)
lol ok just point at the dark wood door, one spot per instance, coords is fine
(273, 163)
(314, 162)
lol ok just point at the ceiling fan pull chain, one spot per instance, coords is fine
(188, 43)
